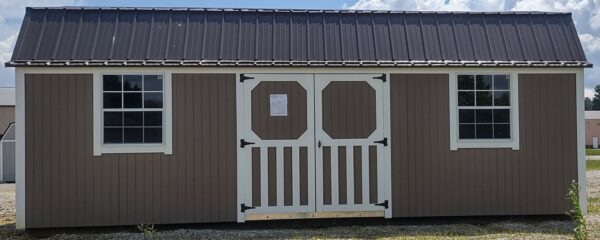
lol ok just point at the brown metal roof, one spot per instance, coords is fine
(72, 36)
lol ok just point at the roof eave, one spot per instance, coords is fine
(231, 63)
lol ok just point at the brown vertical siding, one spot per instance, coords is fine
(430, 180)
(67, 186)
(7, 116)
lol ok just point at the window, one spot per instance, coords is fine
(484, 106)
(133, 113)
(482, 111)
(133, 108)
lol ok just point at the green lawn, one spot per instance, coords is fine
(592, 165)
(592, 152)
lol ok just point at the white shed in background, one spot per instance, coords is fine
(7, 107)
(7, 154)
(7, 139)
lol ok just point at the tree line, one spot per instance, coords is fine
(594, 103)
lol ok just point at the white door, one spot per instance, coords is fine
(312, 143)
(351, 163)
(276, 156)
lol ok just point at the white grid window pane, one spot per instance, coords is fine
(133, 109)
(483, 106)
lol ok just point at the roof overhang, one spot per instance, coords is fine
(266, 63)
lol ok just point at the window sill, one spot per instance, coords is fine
(133, 148)
(512, 144)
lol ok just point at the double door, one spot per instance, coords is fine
(312, 144)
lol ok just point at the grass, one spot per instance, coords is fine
(592, 152)
(592, 165)
(594, 206)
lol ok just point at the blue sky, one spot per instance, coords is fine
(586, 14)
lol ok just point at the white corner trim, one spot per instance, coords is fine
(243, 193)
(581, 175)
(513, 142)
(100, 148)
(20, 148)
(452, 107)
(387, 151)
(2, 160)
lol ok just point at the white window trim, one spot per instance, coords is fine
(166, 147)
(513, 142)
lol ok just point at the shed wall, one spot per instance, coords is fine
(7, 116)
(8, 161)
(592, 129)
(67, 186)
(430, 180)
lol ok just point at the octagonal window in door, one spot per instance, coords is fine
(349, 109)
(279, 110)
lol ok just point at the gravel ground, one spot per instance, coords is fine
(593, 178)
(7, 204)
(495, 230)
(593, 219)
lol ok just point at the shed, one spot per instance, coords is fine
(592, 129)
(7, 154)
(7, 106)
(180, 115)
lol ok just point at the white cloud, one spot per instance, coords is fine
(6, 47)
(460, 5)
(381, 4)
(589, 92)
(591, 43)
(595, 19)
(16, 8)
(11, 16)
(431, 5)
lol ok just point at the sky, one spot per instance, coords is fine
(586, 14)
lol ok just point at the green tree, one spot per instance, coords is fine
(588, 104)
(596, 99)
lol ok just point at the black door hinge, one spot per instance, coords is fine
(243, 207)
(243, 77)
(243, 143)
(383, 77)
(383, 141)
(383, 204)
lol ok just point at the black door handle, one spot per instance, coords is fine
(319, 144)
(243, 143)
